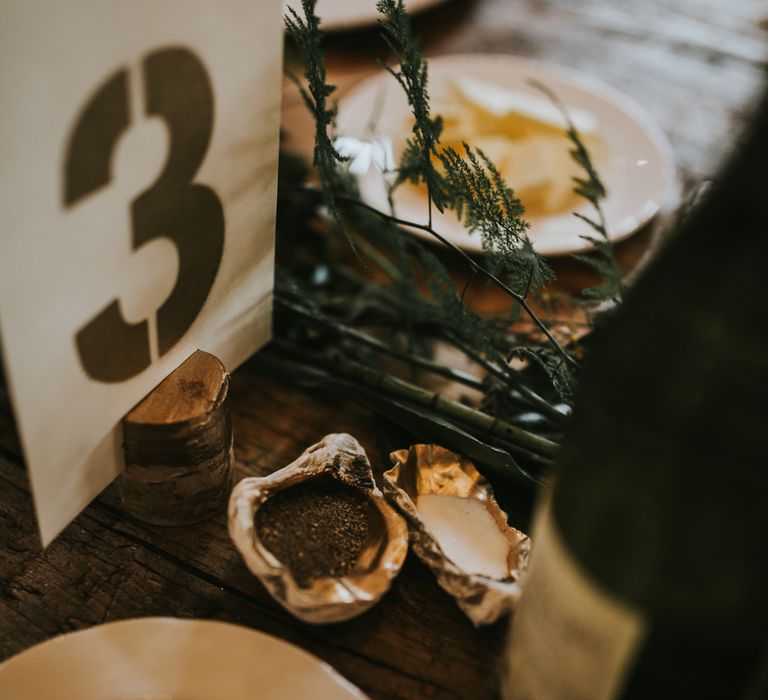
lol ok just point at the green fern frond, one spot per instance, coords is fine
(306, 34)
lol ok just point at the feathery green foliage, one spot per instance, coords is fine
(305, 32)
(552, 365)
(416, 165)
(330, 316)
(591, 188)
(469, 184)
(475, 190)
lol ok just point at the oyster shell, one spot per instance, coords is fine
(502, 552)
(331, 598)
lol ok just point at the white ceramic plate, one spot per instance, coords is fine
(159, 658)
(338, 15)
(637, 164)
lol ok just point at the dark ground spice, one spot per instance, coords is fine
(317, 528)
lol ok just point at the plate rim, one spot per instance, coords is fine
(632, 108)
(181, 622)
(363, 21)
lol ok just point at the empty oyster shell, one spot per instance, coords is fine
(464, 538)
(338, 460)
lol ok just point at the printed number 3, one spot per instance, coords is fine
(177, 89)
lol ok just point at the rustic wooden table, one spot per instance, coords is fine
(694, 64)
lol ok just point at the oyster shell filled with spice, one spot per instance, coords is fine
(458, 530)
(318, 533)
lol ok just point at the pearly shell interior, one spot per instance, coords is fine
(491, 585)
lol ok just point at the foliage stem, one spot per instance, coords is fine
(381, 381)
(507, 378)
(474, 266)
(364, 339)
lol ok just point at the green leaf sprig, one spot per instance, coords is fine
(338, 329)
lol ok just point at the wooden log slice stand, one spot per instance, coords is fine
(178, 446)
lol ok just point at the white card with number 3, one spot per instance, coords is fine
(138, 147)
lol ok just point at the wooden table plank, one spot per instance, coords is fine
(108, 566)
(694, 64)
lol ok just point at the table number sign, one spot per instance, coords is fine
(139, 145)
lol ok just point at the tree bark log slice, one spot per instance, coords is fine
(178, 446)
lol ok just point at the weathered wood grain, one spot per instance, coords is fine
(694, 64)
(107, 566)
(188, 394)
(178, 446)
